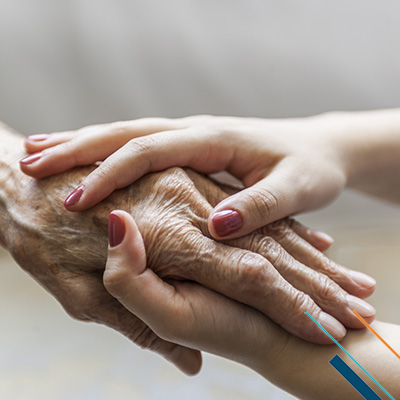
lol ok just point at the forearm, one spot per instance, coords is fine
(368, 144)
(303, 369)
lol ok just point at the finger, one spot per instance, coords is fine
(320, 240)
(146, 154)
(138, 288)
(281, 193)
(88, 301)
(353, 282)
(327, 294)
(251, 279)
(62, 151)
(39, 142)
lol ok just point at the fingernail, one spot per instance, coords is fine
(321, 236)
(362, 279)
(31, 159)
(226, 222)
(361, 306)
(38, 138)
(74, 197)
(333, 326)
(116, 230)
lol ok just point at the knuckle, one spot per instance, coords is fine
(294, 224)
(270, 248)
(253, 270)
(281, 229)
(103, 174)
(325, 265)
(140, 145)
(145, 338)
(327, 289)
(263, 203)
(62, 149)
(301, 302)
(294, 304)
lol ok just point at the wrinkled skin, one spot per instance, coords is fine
(66, 252)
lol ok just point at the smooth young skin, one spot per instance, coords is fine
(194, 316)
(274, 270)
(287, 165)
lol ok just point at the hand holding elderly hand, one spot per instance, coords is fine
(184, 312)
(191, 315)
(288, 166)
(287, 277)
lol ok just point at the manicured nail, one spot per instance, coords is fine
(361, 306)
(333, 326)
(362, 279)
(38, 138)
(116, 230)
(74, 197)
(321, 236)
(31, 159)
(226, 222)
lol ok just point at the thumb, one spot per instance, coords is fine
(142, 292)
(282, 193)
(126, 277)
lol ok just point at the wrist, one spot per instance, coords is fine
(367, 143)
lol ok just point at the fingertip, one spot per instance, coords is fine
(37, 138)
(225, 224)
(116, 229)
(71, 202)
(365, 281)
(332, 325)
(33, 142)
(28, 164)
(126, 253)
(321, 240)
(188, 361)
(122, 229)
(123, 232)
(82, 198)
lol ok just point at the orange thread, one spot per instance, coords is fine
(375, 333)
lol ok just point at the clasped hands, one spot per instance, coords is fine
(189, 291)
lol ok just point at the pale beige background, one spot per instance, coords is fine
(68, 63)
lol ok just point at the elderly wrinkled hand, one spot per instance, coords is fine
(274, 270)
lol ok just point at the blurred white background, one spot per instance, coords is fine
(65, 64)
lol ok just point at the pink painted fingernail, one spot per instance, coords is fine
(38, 138)
(31, 159)
(74, 197)
(361, 306)
(226, 222)
(333, 326)
(362, 279)
(116, 230)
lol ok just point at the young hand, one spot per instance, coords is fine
(287, 166)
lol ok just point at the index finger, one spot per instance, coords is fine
(186, 147)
